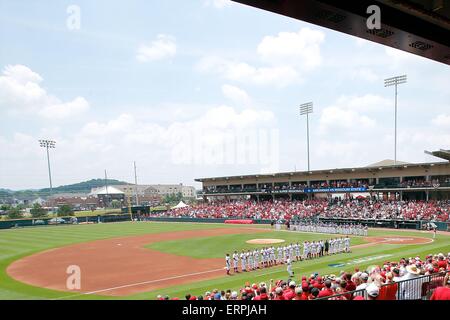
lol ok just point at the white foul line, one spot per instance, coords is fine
(141, 283)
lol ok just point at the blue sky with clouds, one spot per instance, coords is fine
(177, 85)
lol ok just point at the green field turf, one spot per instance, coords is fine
(18, 243)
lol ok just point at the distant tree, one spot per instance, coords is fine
(115, 204)
(37, 211)
(15, 213)
(65, 210)
(5, 207)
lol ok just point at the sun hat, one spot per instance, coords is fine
(413, 269)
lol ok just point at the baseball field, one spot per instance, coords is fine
(139, 260)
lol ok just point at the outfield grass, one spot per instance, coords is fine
(15, 244)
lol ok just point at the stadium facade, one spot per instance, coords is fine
(383, 180)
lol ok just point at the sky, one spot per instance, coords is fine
(200, 88)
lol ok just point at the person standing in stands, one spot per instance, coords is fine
(442, 293)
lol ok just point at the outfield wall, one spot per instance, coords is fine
(391, 224)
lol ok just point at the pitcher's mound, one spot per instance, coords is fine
(265, 241)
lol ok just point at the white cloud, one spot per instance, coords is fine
(365, 73)
(244, 73)
(284, 59)
(301, 49)
(21, 92)
(162, 48)
(442, 120)
(339, 118)
(352, 112)
(219, 4)
(65, 110)
(235, 94)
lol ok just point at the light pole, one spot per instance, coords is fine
(395, 81)
(48, 144)
(135, 184)
(307, 108)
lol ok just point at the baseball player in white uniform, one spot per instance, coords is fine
(249, 260)
(235, 261)
(243, 261)
(255, 259)
(289, 266)
(227, 263)
(280, 255)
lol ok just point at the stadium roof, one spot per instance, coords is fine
(371, 168)
(387, 163)
(421, 27)
(443, 154)
(106, 190)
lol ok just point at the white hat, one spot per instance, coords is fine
(298, 290)
(278, 290)
(373, 290)
(234, 294)
(292, 284)
(364, 276)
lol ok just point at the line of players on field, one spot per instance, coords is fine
(333, 228)
(271, 256)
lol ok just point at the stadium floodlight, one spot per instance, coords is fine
(395, 81)
(306, 109)
(48, 144)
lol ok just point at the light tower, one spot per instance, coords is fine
(48, 144)
(306, 109)
(395, 81)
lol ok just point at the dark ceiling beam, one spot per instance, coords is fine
(399, 29)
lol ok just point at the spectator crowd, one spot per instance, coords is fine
(407, 279)
(349, 208)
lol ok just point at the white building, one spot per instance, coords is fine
(158, 190)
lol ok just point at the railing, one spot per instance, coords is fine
(418, 288)
(302, 189)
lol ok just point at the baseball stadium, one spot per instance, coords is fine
(276, 235)
(379, 231)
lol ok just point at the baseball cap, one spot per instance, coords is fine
(217, 296)
(373, 290)
(292, 284)
(278, 290)
(298, 290)
(364, 276)
(234, 295)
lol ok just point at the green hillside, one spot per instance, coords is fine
(81, 187)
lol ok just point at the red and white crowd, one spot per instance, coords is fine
(287, 210)
(385, 282)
